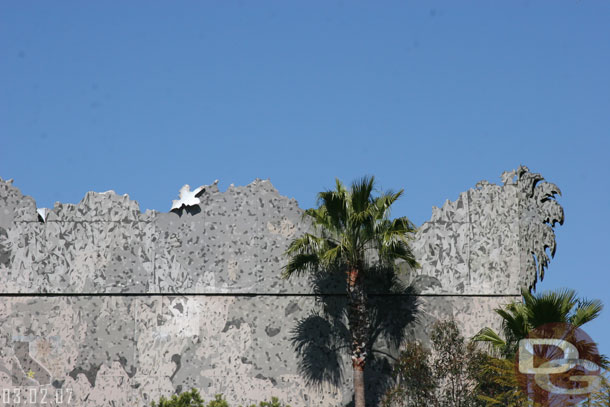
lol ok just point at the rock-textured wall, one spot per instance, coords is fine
(102, 305)
(494, 238)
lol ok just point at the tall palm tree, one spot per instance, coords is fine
(353, 232)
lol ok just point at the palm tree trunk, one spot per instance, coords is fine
(358, 323)
(359, 400)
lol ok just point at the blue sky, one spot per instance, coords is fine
(143, 97)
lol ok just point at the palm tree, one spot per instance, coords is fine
(519, 319)
(536, 310)
(353, 232)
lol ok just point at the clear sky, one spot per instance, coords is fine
(145, 96)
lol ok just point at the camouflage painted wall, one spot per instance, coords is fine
(102, 305)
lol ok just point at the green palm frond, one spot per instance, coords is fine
(308, 244)
(550, 306)
(398, 230)
(392, 240)
(360, 194)
(307, 254)
(335, 205)
(301, 263)
(397, 250)
(361, 220)
(321, 221)
(489, 335)
(330, 256)
(586, 311)
(385, 201)
(514, 320)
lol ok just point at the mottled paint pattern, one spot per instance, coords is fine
(103, 305)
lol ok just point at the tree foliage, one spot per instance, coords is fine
(192, 398)
(447, 375)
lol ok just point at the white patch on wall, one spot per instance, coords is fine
(188, 197)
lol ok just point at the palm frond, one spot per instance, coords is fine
(299, 264)
(394, 250)
(335, 204)
(307, 253)
(586, 311)
(392, 240)
(552, 306)
(360, 192)
(331, 256)
(514, 320)
(307, 243)
(489, 335)
(398, 230)
(320, 220)
(385, 201)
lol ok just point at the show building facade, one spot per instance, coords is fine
(103, 305)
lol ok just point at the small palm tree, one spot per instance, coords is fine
(518, 321)
(519, 318)
(353, 232)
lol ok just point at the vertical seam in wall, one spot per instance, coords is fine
(154, 267)
(469, 234)
(520, 279)
(154, 258)
(135, 341)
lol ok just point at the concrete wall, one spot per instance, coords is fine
(102, 305)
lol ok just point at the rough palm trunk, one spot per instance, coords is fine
(359, 400)
(358, 323)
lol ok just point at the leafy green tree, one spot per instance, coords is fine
(445, 376)
(192, 398)
(456, 366)
(275, 402)
(416, 383)
(218, 401)
(186, 399)
(353, 232)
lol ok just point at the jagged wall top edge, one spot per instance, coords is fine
(491, 239)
